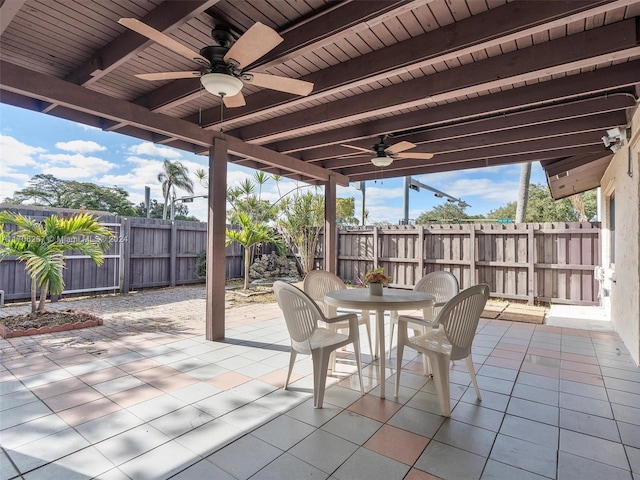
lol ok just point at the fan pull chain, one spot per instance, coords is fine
(200, 107)
(221, 112)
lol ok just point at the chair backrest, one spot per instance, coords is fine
(301, 314)
(319, 282)
(460, 318)
(441, 284)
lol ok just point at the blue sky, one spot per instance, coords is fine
(32, 143)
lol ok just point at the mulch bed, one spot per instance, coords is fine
(46, 322)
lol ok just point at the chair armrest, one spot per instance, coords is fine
(409, 319)
(340, 318)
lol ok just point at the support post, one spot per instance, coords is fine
(330, 227)
(173, 252)
(216, 226)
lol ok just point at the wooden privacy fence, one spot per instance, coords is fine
(536, 262)
(548, 262)
(146, 253)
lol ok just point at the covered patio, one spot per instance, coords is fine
(129, 400)
(476, 84)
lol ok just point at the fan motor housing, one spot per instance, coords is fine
(215, 55)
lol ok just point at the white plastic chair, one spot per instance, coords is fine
(316, 284)
(450, 339)
(301, 315)
(441, 284)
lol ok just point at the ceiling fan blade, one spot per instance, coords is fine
(281, 84)
(162, 39)
(236, 101)
(253, 44)
(399, 147)
(368, 150)
(167, 75)
(422, 156)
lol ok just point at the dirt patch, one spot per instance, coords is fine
(70, 319)
(46, 322)
(236, 295)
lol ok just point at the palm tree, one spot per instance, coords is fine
(250, 234)
(174, 175)
(523, 192)
(41, 245)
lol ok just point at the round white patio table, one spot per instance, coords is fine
(361, 299)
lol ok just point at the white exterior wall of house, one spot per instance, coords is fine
(622, 273)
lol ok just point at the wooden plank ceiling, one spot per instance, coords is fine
(475, 82)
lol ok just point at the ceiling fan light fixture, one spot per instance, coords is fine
(221, 84)
(382, 161)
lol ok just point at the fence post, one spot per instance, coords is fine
(473, 275)
(421, 272)
(125, 254)
(531, 246)
(375, 247)
(172, 254)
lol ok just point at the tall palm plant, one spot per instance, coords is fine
(41, 245)
(174, 175)
(250, 234)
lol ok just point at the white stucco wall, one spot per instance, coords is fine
(623, 276)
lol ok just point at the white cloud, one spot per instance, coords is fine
(77, 165)
(80, 146)
(153, 150)
(16, 153)
(8, 188)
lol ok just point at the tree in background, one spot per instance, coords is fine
(345, 211)
(41, 245)
(251, 233)
(300, 223)
(47, 190)
(243, 199)
(174, 175)
(446, 212)
(508, 211)
(181, 211)
(543, 208)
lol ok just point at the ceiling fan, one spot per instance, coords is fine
(222, 65)
(385, 154)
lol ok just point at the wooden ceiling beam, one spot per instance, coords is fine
(555, 167)
(502, 126)
(506, 150)
(517, 157)
(309, 34)
(486, 30)
(581, 50)
(596, 125)
(623, 75)
(8, 10)
(166, 17)
(25, 82)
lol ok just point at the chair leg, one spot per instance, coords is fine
(292, 360)
(368, 327)
(320, 365)
(472, 374)
(399, 353)
(356, 348)
(332, 360)
(393, 325)
(440, 364)
(426, 365)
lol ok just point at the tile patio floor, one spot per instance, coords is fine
(146, 397)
